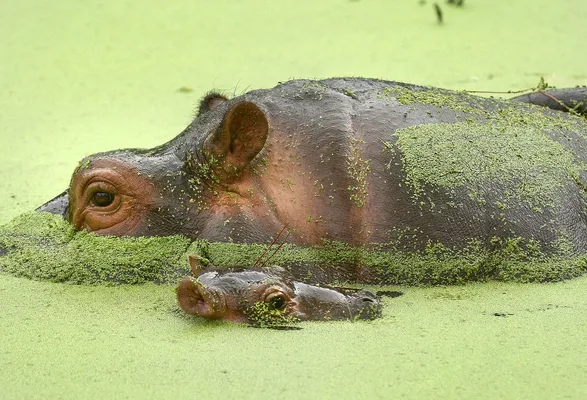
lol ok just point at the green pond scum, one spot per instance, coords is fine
(43, 246)
(261, 315)
(509, 114)
(531, 165)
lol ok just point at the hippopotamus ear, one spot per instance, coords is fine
(211, 101)
(194, 264)
(241, 135)
(197, 264)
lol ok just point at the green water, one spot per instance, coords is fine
(76, 341)
(82, 77)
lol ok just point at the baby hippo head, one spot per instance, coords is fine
(270, 298)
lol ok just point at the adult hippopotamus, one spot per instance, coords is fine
(362, 162)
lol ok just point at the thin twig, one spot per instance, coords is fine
(499, 92)
(276, 250)
(272, 243)
(569, 109)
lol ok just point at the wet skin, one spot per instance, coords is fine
(236, 296)
(321, 157)
(246, 167)
(568, 100)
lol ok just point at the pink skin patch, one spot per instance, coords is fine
(130, 195)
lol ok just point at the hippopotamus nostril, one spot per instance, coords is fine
(368, 300)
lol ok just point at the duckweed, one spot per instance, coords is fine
(40, 245)
(531, 165)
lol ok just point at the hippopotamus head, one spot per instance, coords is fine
(189, 186)
(270, 297)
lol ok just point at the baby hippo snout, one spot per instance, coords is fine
(195, 298)
(322, 303)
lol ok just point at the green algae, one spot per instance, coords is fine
(509, 260)
(348, 92)
(534, 168)
(44, 246)
(263, 316)
(512, 259)
(82, 165)
(504, 113)
(129, 341)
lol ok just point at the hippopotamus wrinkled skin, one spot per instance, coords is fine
(306, 154)
(236, 296)
(323, 158)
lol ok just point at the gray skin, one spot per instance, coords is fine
(296, 155)
(571, 99)
(235, 295)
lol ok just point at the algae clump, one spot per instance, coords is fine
(511, 259)
(262, 315)
(533, 167)
(40, 245)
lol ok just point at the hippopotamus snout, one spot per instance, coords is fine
(195, 298)
(321, 303)
(58, 205)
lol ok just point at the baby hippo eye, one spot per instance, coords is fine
(102, 199)
(277, 301)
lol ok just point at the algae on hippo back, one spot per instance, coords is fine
(534, 167)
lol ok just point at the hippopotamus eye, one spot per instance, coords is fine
(276, 301)
(102, 199)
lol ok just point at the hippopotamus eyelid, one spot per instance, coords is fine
(276, 290)
(100, 182)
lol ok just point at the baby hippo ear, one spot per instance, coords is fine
(241, 135)
(195, 264)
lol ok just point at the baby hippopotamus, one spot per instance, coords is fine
(269, 297)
